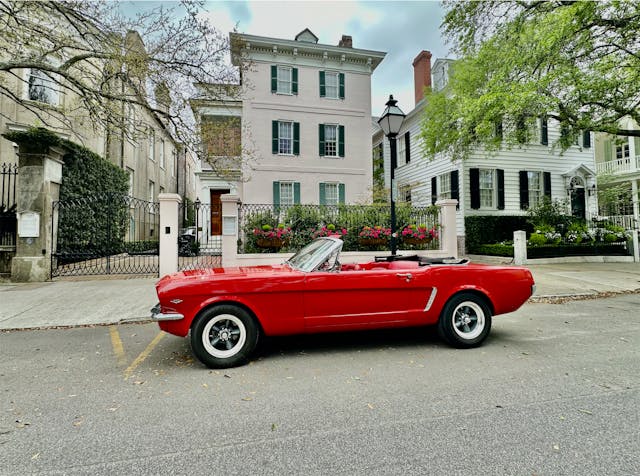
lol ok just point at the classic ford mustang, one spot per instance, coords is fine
(228, 309)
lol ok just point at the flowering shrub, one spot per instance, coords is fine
(419, 232)
(375, 232)
(280, 232)
(329, 230)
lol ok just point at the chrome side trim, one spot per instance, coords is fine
(156, 315)
(432, 298)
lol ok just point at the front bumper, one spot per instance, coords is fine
(157, 315)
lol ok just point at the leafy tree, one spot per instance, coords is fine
(107, 63)
(576, 62)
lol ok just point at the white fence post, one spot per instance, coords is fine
(168, 256)
(448, 227)
(230, 232)
(519, 247)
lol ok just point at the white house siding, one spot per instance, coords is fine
(260, 107)
(531, 157)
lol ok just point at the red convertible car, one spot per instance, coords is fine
(228, 309)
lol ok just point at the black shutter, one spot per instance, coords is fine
(321, 139)
(274, 137)
(341, 86)
(547, 184)
(296, 138)
(500, 174)
(474, 184)
(524, 190)
(274, 79)
(434, 190)
(294, 80)
(323, 89)
(544, 131)
(455, 187)
(340, 141)
(586, 139)
(407, 147)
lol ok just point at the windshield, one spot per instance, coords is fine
(314, 254)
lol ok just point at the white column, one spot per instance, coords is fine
(636, 220)
(230, 230)
(448, 227)
(519, 247)
(169, 204)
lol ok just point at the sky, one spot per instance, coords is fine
(400, 28)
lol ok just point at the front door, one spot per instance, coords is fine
(216, 211)
(577, 203)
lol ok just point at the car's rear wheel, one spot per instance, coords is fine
(224, 336)
(465, 320)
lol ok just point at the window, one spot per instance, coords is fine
(331, 140)
(404, 194)
(487, 188)
(331, 85)
(544, 131)
(285, 138)
(161, 158)
(535, 187)
(284, 80)
(444, 190)
(43, 88)
(152, 190)
(622, 151)
(332, 193)
(286, 193)
(402, 148)
(152, 145)
(174, 162)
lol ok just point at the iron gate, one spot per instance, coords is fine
(8, 222)
(197, 246)
(105, 233)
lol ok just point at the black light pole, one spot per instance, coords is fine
(196, 206)
(391, 122)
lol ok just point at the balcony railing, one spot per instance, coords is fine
(619, 166)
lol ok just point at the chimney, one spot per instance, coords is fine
(421, 74)
(346, 42)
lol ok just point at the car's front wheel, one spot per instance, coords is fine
(465, 320)
(224, 336)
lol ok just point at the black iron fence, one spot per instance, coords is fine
(105, 234)
(199, 241)
(8, 221)
(274, 228)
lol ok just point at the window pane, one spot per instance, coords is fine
(331, 85)
(486, 188)
(284, 80)
(285, 135)
(331, 140)
(286, 193)
(42, 88)
(331, 193)
(535, 187)
(445, 187)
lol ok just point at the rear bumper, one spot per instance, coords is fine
(157, 315)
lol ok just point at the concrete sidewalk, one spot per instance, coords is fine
(109, 301)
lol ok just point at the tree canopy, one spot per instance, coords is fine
(577, 62)
(109, 62)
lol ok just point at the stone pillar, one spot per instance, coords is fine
(169, 210)
(519, 247)
(39, 179)
(230, 230)
(448, 227)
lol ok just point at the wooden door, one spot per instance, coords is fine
(216, 211)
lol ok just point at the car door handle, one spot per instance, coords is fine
(407, 276)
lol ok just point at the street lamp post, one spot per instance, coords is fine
(196, 206)
(391, 122)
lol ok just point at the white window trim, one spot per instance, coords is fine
(335, 74)
(335, 186)
(444, 194)
(539, 191)
(57, 100)
(290, 138)
(494, 191)
(289, 81)
(337, 141)
(152, 145)
(161, 154)
(293, 196)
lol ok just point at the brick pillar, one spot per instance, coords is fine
(38, 186)
(168, 259)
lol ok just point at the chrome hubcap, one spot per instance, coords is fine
(224, 335)
(468, 320)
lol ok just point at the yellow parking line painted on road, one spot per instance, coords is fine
(143, 355)
(116, 342)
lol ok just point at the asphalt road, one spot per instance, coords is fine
(554, 391)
